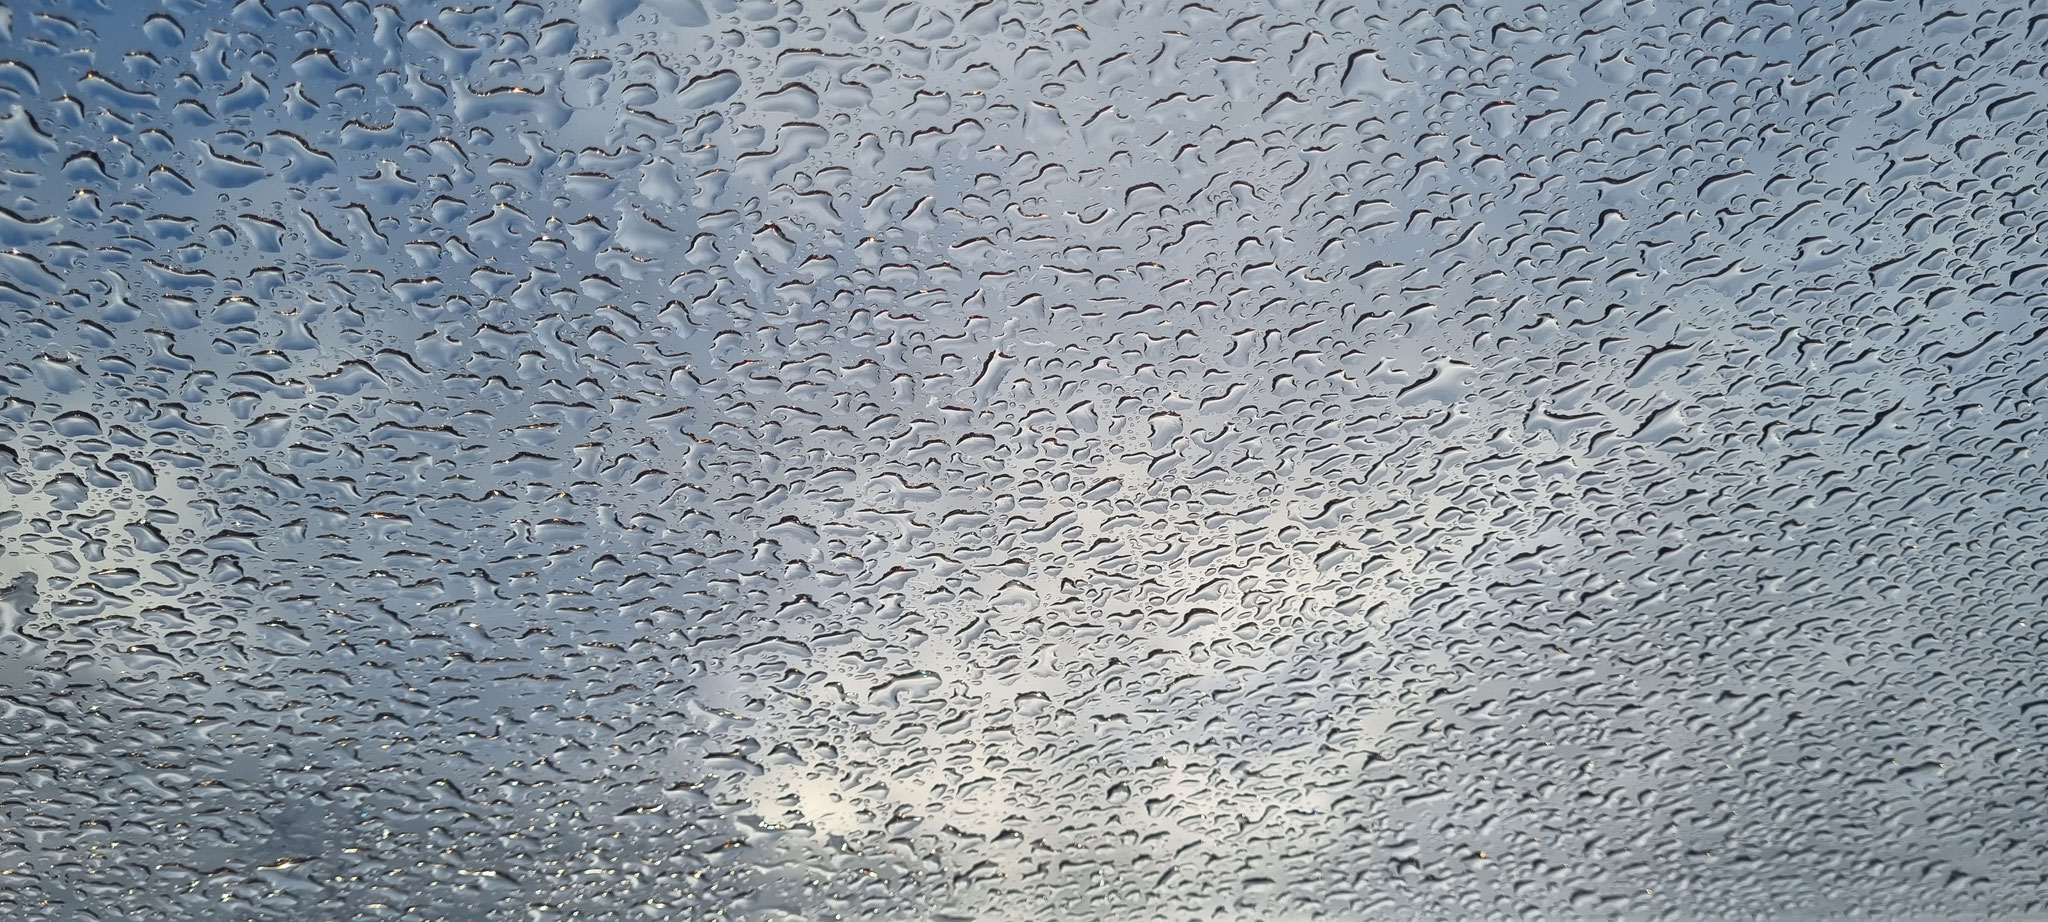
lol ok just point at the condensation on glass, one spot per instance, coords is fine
(1009, 460)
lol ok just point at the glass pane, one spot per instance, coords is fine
(1011, 460)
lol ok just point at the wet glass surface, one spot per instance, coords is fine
(1007, 460)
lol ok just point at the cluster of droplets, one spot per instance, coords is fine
(1021, 460)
